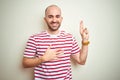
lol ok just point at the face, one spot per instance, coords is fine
(53, 18)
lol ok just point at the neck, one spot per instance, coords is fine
(53, 32)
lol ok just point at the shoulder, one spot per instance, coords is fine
(66, 34)
(39, 34)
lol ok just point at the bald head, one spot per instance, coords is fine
(52, 7)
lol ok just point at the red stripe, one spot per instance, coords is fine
(31, 49)
(39, 77)
(30, 55)
(53, 68)
(51, 74)
(52, 71)
(27, 51)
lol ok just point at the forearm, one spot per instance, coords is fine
(48, 56)
(32, 62)
(83, 54)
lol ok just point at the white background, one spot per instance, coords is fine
(21, 18)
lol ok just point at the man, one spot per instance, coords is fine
(50, 51)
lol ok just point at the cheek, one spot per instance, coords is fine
(60, 21)
(48, 21)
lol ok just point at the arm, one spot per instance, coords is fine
(82, 56)
(31, 62)
(49, 55)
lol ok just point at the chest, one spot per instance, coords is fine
(63, 43)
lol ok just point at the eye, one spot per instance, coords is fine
(50, 16)
(57, 16)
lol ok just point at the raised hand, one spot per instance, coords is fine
(84, 32)
(51, 54)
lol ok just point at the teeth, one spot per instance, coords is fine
(55, 24)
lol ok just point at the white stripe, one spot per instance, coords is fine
(62, 62)
(29, 53)
(30, 47)
(28, 56)
(30, 50)
(31, 44)
(52, 73)
(55, 76)
(57, 69)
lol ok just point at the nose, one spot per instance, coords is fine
(54, 19)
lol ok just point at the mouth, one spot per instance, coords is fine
(55, 23)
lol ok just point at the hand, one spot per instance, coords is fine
(84, 32)
(51, 54)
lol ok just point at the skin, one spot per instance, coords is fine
(53, 19)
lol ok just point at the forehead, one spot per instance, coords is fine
(53, 10)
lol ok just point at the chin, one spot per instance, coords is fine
(54, 28)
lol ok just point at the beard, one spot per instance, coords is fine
(54, 26)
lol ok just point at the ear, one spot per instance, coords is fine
(61, 18)
(45, 19)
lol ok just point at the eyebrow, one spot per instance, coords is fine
(55, 15)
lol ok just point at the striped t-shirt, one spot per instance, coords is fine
(58, 69)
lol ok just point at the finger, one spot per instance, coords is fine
(81, 24)
(81, 27)
(58, 50)
(60, 55)
(86, 31)
(56, 58)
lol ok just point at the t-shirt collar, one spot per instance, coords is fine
(52, 35)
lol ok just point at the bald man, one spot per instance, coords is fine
(49, 51)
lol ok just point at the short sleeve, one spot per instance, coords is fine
(75, 47)
(30, 50)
